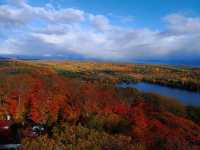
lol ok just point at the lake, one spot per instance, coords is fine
(186, 97)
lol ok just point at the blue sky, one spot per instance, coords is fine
(111, 30)
(146, 13)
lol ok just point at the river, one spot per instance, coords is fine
(186, 97)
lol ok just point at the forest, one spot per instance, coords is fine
(82, 109)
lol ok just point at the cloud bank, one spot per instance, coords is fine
(68, 32)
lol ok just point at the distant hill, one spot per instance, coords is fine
(180, 63)
(5, 58)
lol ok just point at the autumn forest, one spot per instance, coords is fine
(82, 109)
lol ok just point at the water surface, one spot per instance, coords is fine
(186, 97)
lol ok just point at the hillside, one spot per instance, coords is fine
(82, 109)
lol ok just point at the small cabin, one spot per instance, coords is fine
(9, 133)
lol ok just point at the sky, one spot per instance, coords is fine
(110, 30)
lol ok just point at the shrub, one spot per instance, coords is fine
(193, 113)
(94, 121)
(69, 74)
(165, 104)
(116, 124)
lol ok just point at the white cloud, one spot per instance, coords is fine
(56, 32)
(20, 13)
(181, 24)
(17, 2)
(100, 22)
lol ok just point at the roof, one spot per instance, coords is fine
(4, 123)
